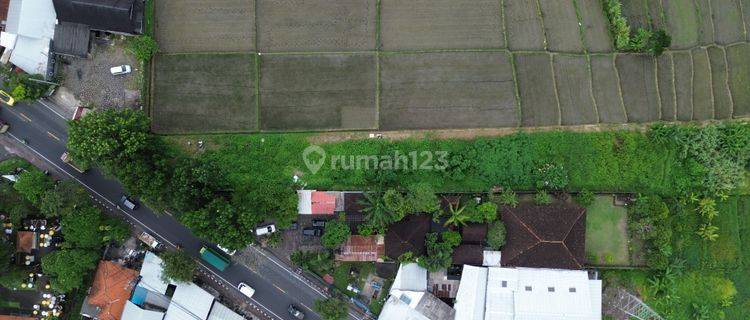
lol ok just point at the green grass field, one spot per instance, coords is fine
(606, 233)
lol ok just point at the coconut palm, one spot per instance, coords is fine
(456, 215)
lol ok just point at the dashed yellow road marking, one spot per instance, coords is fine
(53, 136)
(277, 287)
(25, 118)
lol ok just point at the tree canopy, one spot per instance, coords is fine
(69, 267)
(331, 309)
(336, 232)
(33, 184)
(178, 266)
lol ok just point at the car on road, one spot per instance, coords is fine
(3, 126)
(314, 232)
(295, 312)
(68, 160)
(246, 290)
(227, 251)
(119, 70)
(318, 223)
(128, 203)
(7, 98)
(264, 230)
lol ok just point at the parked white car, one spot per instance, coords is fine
(227, 251)
(118, 70)
(246, 290)
(264, 230)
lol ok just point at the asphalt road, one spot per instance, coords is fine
(276, 285)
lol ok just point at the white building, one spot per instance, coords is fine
(496, 293)
(409, 299)
(30, 28)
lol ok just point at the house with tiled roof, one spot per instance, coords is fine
(407, 235)
(362, 249)
(550, 236)
(110, 291)
(319, 202)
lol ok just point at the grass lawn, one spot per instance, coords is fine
(606, 233)
(342, 275)
(10, 305)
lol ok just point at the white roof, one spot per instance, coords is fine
(410, 277)
(133, 312)
(32, 24)
(527, 294)
(491, 258)
(151, 274)
(221, 312)
(470, 301)
(31, 54)
(189, 302)
(398, 306)
(304, 203)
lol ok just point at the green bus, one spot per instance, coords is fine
(214, 258)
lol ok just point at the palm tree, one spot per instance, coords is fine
(708, 232)
(376, 212)
(456, 215)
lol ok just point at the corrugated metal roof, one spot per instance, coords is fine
(410, 277)
(221, 312)
(189, 302)
(133, 312)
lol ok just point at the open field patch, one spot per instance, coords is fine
(316, 25)
(703, 104)
(205, 26)
(607, 90)
(682, 22)
(656, 14)
(719, 77)
(539, 105)
(729, 26)
(447, 90)
(561, 26)
(739, 78)
(666, 87)
(441, 24)
(683, 84)
(595, 33)
(523, 25)
(317, 92)
(204, 93)
(606, 233)
(636, 11)
(705, 22)
(574, 90)
(638, 85)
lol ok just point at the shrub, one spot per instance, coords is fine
(452, 238)
(551, 176)
(19, 92)
(336, 233)
(496, 235)
(585, 198)
(143, 47)
(542, 198)
(509, 198)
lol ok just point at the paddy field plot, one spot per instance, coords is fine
(441, 24)
(316, 25)
(739, 78)
(728, 21)
(204, 93)
(205, 26)
(524, 25)
(574, 89)
(683, 84)
(561, 26)
(703, 106)
(719, 83)
(447, 90)
(664, 74)
(536, 85)
(606, 88)
(638, 85)
(317, 92)
(682, 22)
(595, 28)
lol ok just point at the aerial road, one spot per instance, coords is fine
(44, 132)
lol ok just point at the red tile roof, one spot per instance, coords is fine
(362, 248)
(323, 203)
(111, 289)
(4, 6)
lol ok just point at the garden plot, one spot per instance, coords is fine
(607, 90)
(441, 24)
(523, 25)
(205, 26)
(638, 85)
(317, 92)
(561, 26)
(447, 90)
(204, 93)
(539, 105)
(719, 77)
(316, 25)
(682, 22)
(705, 22)
(595, 33)
(703, 105)
(607, 233)
(574, 89)
(666, 87)
(729, 26)
(683, 84)
(739, 78)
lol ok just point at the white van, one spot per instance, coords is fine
(246, 290)
(264, 230)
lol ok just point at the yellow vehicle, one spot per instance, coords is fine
(6, 98)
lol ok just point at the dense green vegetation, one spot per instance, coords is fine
(178, 266)
(84, 227)
(643, 40)
(331, 309)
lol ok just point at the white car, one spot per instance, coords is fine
(264, 230)
(246, 290)
(227, 251)
(118, 70)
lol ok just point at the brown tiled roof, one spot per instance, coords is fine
(407, 235)
(471, 254)
(26, 241)
(550, 236)
(3, 317)
(362, 248)
(111, 289)
(474, 233)
(4, 6)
